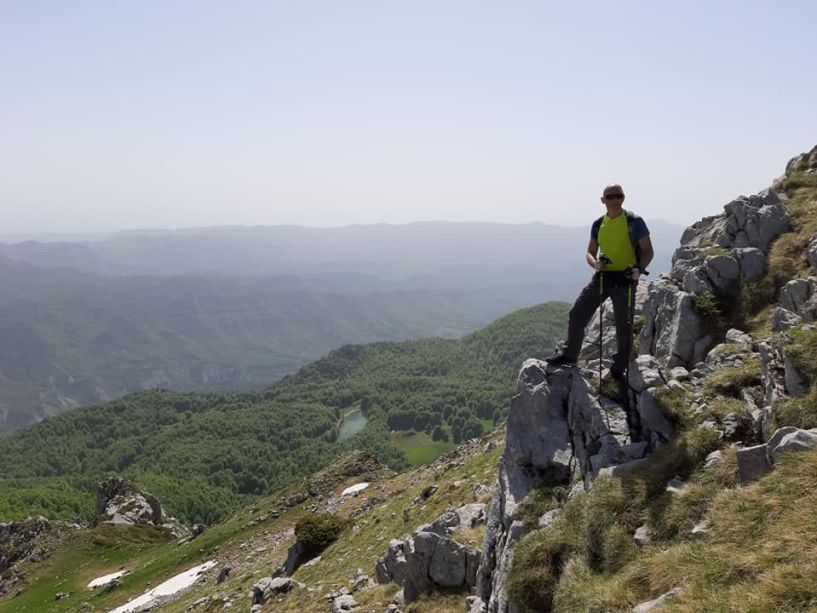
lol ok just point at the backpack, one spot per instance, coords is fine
(631, 232)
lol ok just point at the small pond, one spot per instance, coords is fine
(352, 424)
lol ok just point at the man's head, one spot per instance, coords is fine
(613, 194)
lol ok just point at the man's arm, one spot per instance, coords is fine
(592, 250)
(647, 253)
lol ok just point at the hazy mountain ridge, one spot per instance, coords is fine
(388, 251)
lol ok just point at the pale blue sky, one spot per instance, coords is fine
(169, 113)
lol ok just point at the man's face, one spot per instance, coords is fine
(613, 195)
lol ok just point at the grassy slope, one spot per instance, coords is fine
(204, 454)
(253, 547)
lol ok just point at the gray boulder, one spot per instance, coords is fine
(645, 373)
(782, 319)
(753, 221)
(753, 463)
(791, 440)
(811, 253)
(800, 297)
(120, 501)
(752, 262)
(723, 273)
(426, 561)
(650, 605)
(796, 383)
(538, 438)
(655, 426)
(344, 602)
(738, 336)
(772, 371)
(673, 331)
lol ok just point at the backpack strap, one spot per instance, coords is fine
(633, 240)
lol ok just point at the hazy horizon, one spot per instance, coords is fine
(121, 116)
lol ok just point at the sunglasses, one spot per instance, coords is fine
(614, 196)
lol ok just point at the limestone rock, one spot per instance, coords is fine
(642, 536)
(679, 373)
(713, 458)
(646, 607)
(344, 602)
(537, 430)
(120, 502)
(557, 425)
(800, 296)
(427, 560)
(782, 319)
(752, 262)
(655, 426)
(699, 531)
(811, 253)
(672, 330)
(772, 372)
(796, 383)
(796, 440)
(753, 463)
(738, 336)
(723, 272)
(475, 604)
(548, 518)
(645, 373)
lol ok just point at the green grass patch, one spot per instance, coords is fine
(801, 348)
(800, 412)
(420, 448)
(732, 380)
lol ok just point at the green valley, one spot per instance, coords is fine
(205, 454)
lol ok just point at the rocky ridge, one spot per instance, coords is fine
(561, 432)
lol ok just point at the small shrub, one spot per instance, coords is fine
(317, 531)
(708, 307)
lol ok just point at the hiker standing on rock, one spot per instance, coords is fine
(619, 251)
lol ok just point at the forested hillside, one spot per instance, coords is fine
(202, 454)
(72, 338)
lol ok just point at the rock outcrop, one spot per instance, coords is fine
(756, 461)
(717, 255)
(558, 429)
(32, 540)
(121, 502)
(429, 559)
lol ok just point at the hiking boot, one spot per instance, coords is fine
(560, 360)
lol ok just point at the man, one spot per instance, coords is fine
(619, 251)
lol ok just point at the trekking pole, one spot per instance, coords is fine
(631, 285)
(604, 259)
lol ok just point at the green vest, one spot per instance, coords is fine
(614, 242)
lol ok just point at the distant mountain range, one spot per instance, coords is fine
(240, 307)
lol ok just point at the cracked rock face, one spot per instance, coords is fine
(557, 428)
(673, 331)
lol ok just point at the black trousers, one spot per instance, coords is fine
(603, 285)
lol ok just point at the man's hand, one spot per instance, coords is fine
(600, 265)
